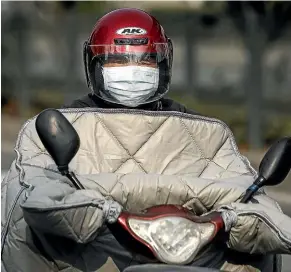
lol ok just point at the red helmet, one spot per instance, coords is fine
(134, 46)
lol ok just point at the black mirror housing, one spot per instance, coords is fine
(58, 137)
(276, 163)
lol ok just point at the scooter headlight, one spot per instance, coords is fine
(175, 240)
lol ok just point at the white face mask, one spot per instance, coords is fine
(131, 85)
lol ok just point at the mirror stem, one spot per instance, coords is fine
(252, 189)
(64, 170)
(71, 176)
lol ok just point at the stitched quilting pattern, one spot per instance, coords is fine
(127, 143)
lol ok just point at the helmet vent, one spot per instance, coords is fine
(126, 41)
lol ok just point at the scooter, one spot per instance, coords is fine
(171, 234)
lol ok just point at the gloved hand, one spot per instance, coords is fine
(57, 208)
(257, 227)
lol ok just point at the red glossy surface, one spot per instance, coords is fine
(166, 211)
(106, 30)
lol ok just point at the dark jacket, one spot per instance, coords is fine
(164, 104)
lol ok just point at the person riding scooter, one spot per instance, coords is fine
(50, 226)
(128, 64)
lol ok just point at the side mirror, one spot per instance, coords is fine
(58, 137)
(276, 163)
(273, 168)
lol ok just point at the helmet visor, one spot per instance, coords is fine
(150, 56)
(124, 55)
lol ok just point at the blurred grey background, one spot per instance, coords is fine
(232, 60)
